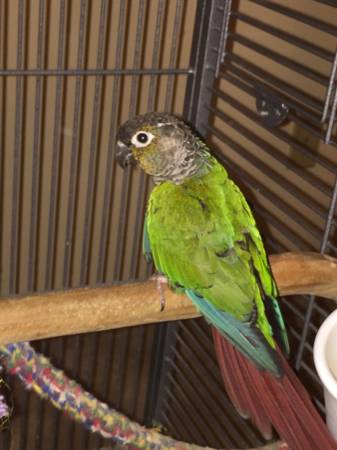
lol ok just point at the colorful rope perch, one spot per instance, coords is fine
(38, 374)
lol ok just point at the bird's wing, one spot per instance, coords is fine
(204, 238)
(146, 243)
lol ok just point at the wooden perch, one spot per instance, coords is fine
(85, 310)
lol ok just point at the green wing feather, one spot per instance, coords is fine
(203, 237)
(146, 244)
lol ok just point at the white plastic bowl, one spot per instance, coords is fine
(325, 358)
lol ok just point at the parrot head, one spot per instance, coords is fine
(162, 145)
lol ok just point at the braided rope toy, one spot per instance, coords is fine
(38, 374)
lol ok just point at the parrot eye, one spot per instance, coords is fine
(142, 139)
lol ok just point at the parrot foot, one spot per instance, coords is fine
(160, 281)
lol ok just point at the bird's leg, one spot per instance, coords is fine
(160, 280)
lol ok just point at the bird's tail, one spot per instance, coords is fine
(282, 403)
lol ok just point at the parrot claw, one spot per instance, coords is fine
(160, 280)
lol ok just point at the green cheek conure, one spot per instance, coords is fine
(201, 234)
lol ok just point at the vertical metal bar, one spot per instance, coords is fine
(137, 358)
(107, 370)
(77, 118)
(56, 419)
(157, 388)
(224, 36)
(5, 436)
(56, 146)
(90, 380)
(93, 146)
(36, 152)
(17, 160)
(107, 201)
(91, 183)
(156, 54)
(331, 122)
(150, 106)
(124, 337)
(125, 193)
(176, 35)
(3, 43)
(332, 81)
(16, 186)
(325, 240)
(76, 370)
(110, 168)
(158, 354)
(54, 185)
(207, 43)
(143, 179)
(137, 59)
(33, 233)
(127, 174)
(160, 330)
(73, 178)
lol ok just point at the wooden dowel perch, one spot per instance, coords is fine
(85, 310)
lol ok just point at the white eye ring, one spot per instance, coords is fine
(142, 139)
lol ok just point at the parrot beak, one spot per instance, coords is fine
(124, 155)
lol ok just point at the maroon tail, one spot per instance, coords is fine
(282, 403)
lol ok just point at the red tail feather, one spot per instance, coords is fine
(269, 401)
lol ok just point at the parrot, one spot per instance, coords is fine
(200, 233)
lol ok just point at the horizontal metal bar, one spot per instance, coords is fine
(191, 401)
(280, 134)
(309, 370)
(242, 75)
(179, 425)
(332, 247)
(320, 310)
(280, 59)
(190, 375)
(298, 336)
(311, 129)
(298, 241)
(195, 334)
(299, 219)
(294, 40)
(297, 313)
(328, 2)
(273, 245)
(303, 97)
(186, 410)
(279, 156)
(303, 18)
(93, 72)
(283, 228)
(288, 100)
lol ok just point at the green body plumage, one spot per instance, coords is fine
(203, 237)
